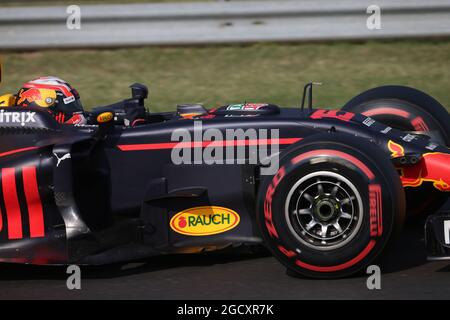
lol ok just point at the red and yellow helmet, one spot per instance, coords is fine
(55, 95)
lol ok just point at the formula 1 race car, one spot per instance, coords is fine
(325, 190)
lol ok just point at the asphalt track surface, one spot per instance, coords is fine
(406, 274)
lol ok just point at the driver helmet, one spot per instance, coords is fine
(56, 96)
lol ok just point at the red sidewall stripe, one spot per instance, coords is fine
(12, 203)
(419, 124)
(340, 267)
(35, 212)
(328, 152)
(386, 110)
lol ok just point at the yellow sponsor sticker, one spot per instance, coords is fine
(104, 117)
(204, 221)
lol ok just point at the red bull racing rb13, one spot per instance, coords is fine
(324, 190)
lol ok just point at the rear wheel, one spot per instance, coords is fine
(408, 109)
(331, 209)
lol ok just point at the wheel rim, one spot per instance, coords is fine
(324, 210)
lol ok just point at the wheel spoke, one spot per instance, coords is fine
(304, 211)
(345, 215)
(311, 224)
(337, 226)
(320, 188)
(308, 197)
(335, 189)
(324, 231)
(347, 200)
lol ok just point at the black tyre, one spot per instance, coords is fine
(408, 109)
(332, 207)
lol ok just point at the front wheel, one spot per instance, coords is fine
(332, 208)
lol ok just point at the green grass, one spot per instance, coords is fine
(217, 75)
